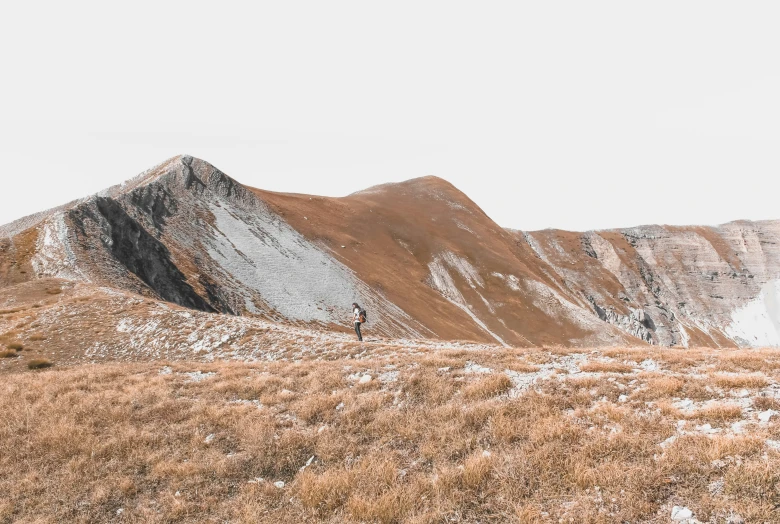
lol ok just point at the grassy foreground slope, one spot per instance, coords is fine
(453, 435)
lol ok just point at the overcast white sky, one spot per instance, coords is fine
(576, 115)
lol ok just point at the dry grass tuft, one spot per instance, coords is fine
(605, 367)
(718, 413)
(37, 338)
(490, 386)
(665, 386)
(8, 354)
(522, 367)
(765, 403)
(17, 346)
(39, 363)
(739, 381)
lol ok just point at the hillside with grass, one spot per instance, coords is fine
(390, 434)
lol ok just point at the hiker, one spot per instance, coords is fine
(358, 317)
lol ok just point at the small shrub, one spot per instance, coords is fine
(8, 354)
(765, 403)
(37, 338)
(39, 363)
(54, 291)
(16, 346)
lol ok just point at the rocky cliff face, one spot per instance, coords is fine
(714, 286)
(423, 258)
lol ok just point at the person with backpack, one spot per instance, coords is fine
(358, 317)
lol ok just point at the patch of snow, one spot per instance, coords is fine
(757, 323)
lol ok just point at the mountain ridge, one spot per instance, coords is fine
(425, 258)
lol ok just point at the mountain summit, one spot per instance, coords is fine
(420, 255)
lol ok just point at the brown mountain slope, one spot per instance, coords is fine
(397, 236)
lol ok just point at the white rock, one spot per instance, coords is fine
(668, 442)
(279, 484)
(707, 428)
(365, 379)
(680, 513)
(177, 494)
(119, 511)
(735, 518)
(773, 444)
(742, 393)
(209, 439)
(340, 406)
(685, 403)
(622, 398)
(649, 365)
(321, 429)
(472, 367)
(764, 416)
(486, 453)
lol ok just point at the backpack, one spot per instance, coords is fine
(363, 316)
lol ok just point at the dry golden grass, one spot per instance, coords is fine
(764, 403)
(718, 413)
(77, 444)
(740, 381)
(6, 353)
(605, 367)
(17, 346)
(665, 386)
(490, 386)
